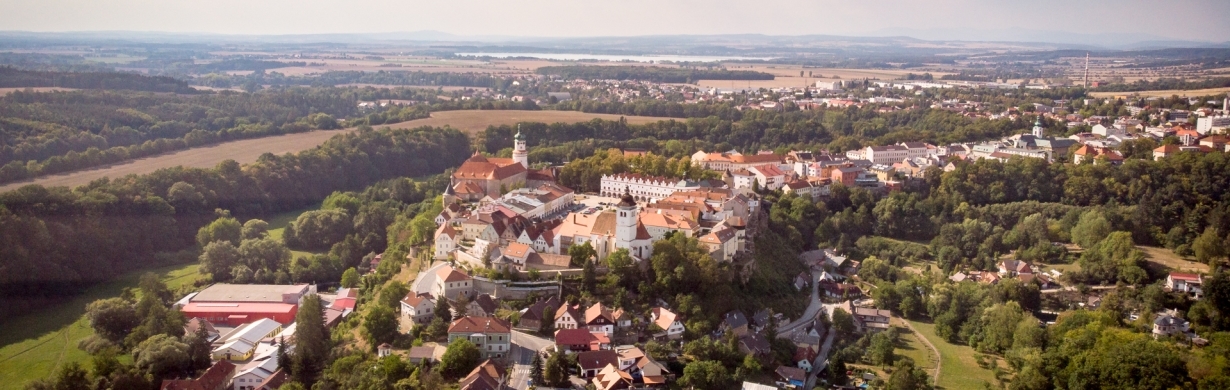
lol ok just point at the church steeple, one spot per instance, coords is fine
(520, 155)
(1038, 132)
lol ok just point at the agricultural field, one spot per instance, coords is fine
(788, 76)
(1165, 259)
(959, 369)
(247, 151)
(33, 345)
(471, 122)
(1164, 93)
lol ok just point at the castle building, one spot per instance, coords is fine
(520, 155)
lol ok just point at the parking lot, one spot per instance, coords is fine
(595, 202)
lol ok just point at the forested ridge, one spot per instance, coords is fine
(14, 78)
(56, 241)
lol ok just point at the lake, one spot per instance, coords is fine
(614, 58)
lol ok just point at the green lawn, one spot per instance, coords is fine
(958, 369)
(32, 345)
(278, 224)
(909, 346)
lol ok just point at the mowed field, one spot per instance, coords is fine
(1164, 93)
(959, 370)
(247, 151)
(33, 345)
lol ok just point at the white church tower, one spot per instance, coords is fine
(520, 155)
(1038, 132)
(625, 222)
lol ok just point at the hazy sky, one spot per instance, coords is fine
(1201, 20)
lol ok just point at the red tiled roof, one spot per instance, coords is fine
(469, 324)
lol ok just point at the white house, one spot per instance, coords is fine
(451, 284)
(446, 240)
(418, 307)
(1185, 282)
(668, 321)
(770, 176)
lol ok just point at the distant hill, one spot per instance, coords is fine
(16, 78)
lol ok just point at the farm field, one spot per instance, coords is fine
(788, 76)
(243, 151)
(33, 345)
(471, 121)
(247, 151)
(959, 370)
(1164, 93)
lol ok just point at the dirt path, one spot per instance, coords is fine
(938, 360)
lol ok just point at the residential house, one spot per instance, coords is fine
(866, 318)
(722, 244)
(591, 362)
(735, 322)
(1013, 268)
(769, 176)
(487, 376)
(493, 336)
(482, 306)
(623, 318)
(755, 344)
(611, 378)
(646, 372)
(569, 317)
(446, 240)
(1185, 282)
(793, 376)
(599, 319)
(451, 284)
(1168, 324)
(217, 377)
(803, 358)
(274, 382)
(534, 315)
(193, 325)
(418, 307)
(579, 340)
(672, 328)
(1095, 154)
(256, 372)
(417, 355)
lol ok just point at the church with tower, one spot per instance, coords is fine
(481, 177)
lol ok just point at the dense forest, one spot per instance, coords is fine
(14, 78)
(650, 73)
(56, 241)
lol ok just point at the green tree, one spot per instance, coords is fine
(112, 318)
(1092, 228)
(705, 374)
(162, 356)
(199, 349)
(350, 278)
(581, 254)
(880, 351)
(311, 341)
(536, 370)
(255, 229)
(218, 258)
(906, 376)
(460, 357)
(392, 294)
(588, 277)
(555, 374)
(843, 322)
(379, 326)
(1210, 247)
(442, 310)
(224, 228)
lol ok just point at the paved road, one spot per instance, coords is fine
(822, 360)
(813, 307)
(427, 278)
(524, 347)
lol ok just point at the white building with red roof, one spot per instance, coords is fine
(452, 284)
(492, 336)
(1185, 282)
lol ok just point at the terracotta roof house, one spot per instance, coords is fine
(487, 376)
(672, 328)
(493, 336)
(599, 319)
(577, 340)
(482, 306)
(591, 362)
(217, 377)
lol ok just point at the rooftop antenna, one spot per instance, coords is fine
(1086, 69)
